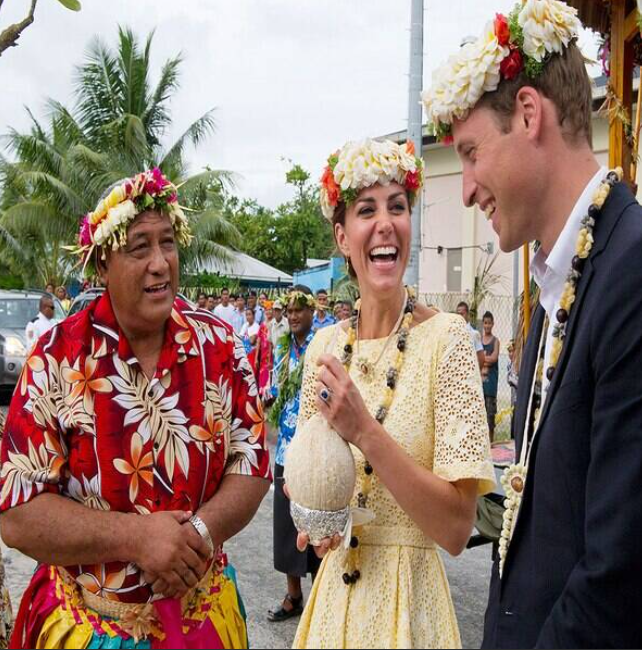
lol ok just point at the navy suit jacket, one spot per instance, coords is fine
(573, 573)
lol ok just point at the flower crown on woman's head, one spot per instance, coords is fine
(363, 164)
(524, 41)
(107, 225)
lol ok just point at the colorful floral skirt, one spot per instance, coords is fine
(6, 616)
(55, 613)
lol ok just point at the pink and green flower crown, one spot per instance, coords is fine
(363, 164)
(106, 226)
(522, 42)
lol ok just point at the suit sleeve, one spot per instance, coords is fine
(601, 603)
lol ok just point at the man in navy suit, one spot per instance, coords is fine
(571, 557)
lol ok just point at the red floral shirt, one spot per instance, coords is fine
(86, 423)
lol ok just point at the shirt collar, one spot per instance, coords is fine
(304, 347)
(559, 260)
(180, 338)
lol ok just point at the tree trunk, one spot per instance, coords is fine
(9, 37)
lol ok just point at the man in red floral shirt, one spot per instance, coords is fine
(134, 447)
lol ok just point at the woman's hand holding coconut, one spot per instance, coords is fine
(341, 404)
(343, 408)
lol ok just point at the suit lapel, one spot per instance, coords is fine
(526, 373)
(574, 319)
(619, 199)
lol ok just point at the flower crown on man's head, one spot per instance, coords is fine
(300, 299)
(107, 225)
(363, 164)
(524, 41)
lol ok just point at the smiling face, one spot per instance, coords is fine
(502, 174)
(142, 277)
(345, 311)
(322, 301)
(376, 238)
(300, 319)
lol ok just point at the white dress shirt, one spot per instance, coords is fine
(36, 328)
(225, 313)
(550, 273)
(278, 330)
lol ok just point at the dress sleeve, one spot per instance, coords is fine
(462, 442)
(248, 452)
(34, 451)
(316, 349)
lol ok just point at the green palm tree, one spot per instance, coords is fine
(115, 130)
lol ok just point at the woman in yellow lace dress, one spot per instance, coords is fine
(400, 382)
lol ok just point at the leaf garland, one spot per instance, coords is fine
(289, 383)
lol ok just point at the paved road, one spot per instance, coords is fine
(262, 587)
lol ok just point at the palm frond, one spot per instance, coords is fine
(156, 116)
(62, 195)
(213, 226)
(99, 88)
(36, 152)
(200, 129)
(40, 220)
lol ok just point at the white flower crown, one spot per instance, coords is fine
(363, 164)
(523, 41)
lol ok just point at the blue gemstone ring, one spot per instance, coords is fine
(326, 395)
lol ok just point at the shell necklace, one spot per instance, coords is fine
(365, 366)
(402, 329)
(514, 478)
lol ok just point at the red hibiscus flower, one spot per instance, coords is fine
(333, 190)
(512, 65)
(413, 182)
(502, 30)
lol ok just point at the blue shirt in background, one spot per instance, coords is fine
(318, 324)
(294, 355)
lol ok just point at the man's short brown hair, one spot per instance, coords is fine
(565, 82)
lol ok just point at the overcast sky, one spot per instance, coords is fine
(291, 79)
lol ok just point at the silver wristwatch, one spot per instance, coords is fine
(202, 530)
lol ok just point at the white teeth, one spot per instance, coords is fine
(490, 210)
(384, 250)
(157, 287)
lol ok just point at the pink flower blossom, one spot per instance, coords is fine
(85, 232)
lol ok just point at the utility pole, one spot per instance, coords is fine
(415, 130)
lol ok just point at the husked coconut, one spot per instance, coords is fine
(319, 467)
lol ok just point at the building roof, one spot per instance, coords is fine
(248, 269)
(313, 264)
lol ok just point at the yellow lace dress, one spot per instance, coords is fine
(402, 599)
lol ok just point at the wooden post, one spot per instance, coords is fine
(621, 83)
(527, 291)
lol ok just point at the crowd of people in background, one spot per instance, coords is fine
(261, 323)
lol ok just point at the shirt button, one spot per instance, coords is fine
(157, 502)
(156, 446)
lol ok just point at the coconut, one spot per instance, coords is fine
(320, 475)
